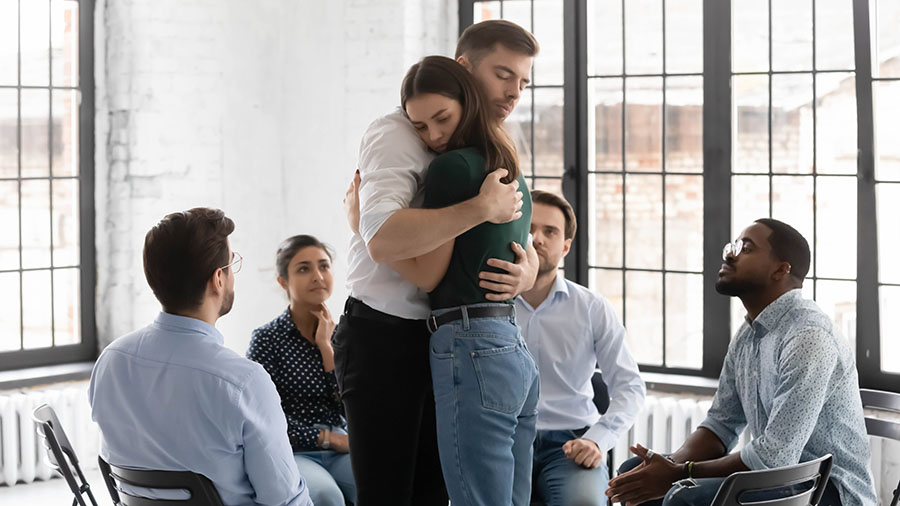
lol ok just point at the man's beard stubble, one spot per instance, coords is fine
(227, 303)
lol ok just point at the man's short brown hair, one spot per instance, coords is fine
(552, 199)
(481, 38)
(182, 252)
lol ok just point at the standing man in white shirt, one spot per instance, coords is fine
(570, 329)
(381, 343)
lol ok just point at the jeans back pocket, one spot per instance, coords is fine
(501, 374)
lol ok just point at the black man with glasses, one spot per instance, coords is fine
(788, 376)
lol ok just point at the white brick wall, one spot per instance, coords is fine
(254, 107)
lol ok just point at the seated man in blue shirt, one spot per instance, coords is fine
(569, 330)
(787, 375)
(171, 396)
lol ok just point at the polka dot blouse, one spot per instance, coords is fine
(309, 395)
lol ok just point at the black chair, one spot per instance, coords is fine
(738, 484)
(202, 491)
(62, 455)
(885, 401)
(601, 400)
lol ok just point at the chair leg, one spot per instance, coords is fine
(896, 495)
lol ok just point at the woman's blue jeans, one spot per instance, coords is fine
(485, 391)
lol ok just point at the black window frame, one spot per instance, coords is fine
(717, 178)
(86, 349)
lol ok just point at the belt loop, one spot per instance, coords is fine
(512, 313)
(347, 305)
(465, 318)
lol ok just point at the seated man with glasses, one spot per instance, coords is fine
(787, 375)
(172, 397)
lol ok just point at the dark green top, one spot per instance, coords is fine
(453, 177)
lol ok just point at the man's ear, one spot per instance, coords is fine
(217, 282)
(784, 270)
(567, 246)
(464, 61)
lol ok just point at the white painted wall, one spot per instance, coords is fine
(253, 107)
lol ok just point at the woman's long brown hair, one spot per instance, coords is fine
(477, 126)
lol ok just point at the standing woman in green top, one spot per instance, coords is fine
(485, 381)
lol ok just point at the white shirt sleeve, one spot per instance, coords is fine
(392, 163)
(621, 375)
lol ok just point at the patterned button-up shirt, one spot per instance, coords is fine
(793, 380)
(309, 395)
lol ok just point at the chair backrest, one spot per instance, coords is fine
(601, 393)
(735, 486)
(883, 401)
(62, 456)
(201, 489)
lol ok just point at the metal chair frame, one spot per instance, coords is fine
(201, 489)
(62, 456)
(736, 485)
(885, 401)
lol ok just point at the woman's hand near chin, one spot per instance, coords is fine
(324, 330)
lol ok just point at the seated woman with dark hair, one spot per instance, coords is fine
(295, 349)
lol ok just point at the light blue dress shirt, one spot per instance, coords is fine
(570, 333)
(793, 380)
(171, 396)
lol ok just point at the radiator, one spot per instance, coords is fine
(23, 458)
(663, 424)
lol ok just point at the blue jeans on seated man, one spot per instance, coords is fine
(558, 480)
(485, 393)
(706, 489)
(327, 474)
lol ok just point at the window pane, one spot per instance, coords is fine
(838, 300)
(36, 304)
(548, 185)
(35, 39)
(834, 35)
(9, 217)
(483, 11)
(605, 120)
(643, 222)
(548, 132)
(684, 320)
(738, 313)
(548, 29)
(887, 199)
(608, 283)
(9, 43)
(9, 144)
(64, 39)
(66, 307)
(684, 124)
(643, 316)
(604, 34)
(643, 36)
(792, 203)
(643, 124)
(35, 147)
(10, 325)
(836, 123)
(35, 223)
(65, 223)
(792, 125)
(887, 19)
(684, 223)
(750, 36)
(749, 202)
(751, 112)
(518, 126)
(836, 227)
(684, 36)
(605, 212)
(792, 35)
(519, 12)
(887, 124)
(65, 133)
(890, 328)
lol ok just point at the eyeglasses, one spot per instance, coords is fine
(732, 248)
(236, 261)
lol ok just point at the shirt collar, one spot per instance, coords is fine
(559, 286)
(188, 324)
(773, 313)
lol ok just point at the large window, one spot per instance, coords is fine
(680, 123)
(46, 183)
